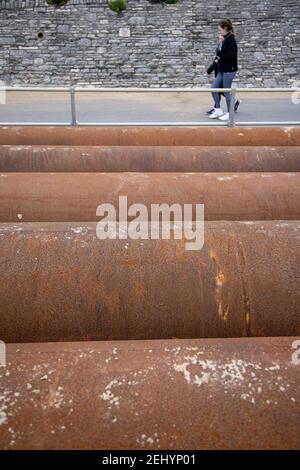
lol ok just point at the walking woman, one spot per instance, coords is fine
(214, 68)
(227, 62)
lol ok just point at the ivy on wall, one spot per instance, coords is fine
(57, 3)
(119, 5)
(115, 5)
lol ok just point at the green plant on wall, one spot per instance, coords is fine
(57, 3)
(117, 5)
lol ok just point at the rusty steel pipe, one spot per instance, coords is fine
(38, 158)
(193, 394)
(75, 197)
(59, 282)
(156, 135)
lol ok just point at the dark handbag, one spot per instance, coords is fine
(211, 68)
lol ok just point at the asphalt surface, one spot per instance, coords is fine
(113, 107)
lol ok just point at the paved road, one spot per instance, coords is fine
(141, 107)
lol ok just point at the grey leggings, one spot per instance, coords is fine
(223, 79)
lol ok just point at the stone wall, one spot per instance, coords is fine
(169, 45)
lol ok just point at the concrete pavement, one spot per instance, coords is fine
(106, 107)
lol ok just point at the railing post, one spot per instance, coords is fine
(231, 110)
(73, 106)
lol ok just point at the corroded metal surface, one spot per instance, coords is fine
(148, 158)
(75, 197)
(194, 394)
(155, 135)
(58, 281)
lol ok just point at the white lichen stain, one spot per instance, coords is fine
(3, 407)
(109, 396)
(79, 229)
(224, 178)
(273, 367)
(3, 416)
(194, 379)
(56, 397)
(13, 437)
(151, 440)
(245, 380)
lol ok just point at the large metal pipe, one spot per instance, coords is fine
(40, 158)
(59, 282)
(156, 135)
(195, 394)
(50, 197)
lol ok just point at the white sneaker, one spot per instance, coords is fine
(216, 113)
(225, 117)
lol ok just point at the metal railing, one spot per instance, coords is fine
(74, 122)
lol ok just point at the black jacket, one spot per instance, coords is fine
(228, 55)
(214, 66)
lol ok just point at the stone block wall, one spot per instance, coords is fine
(84, 42)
